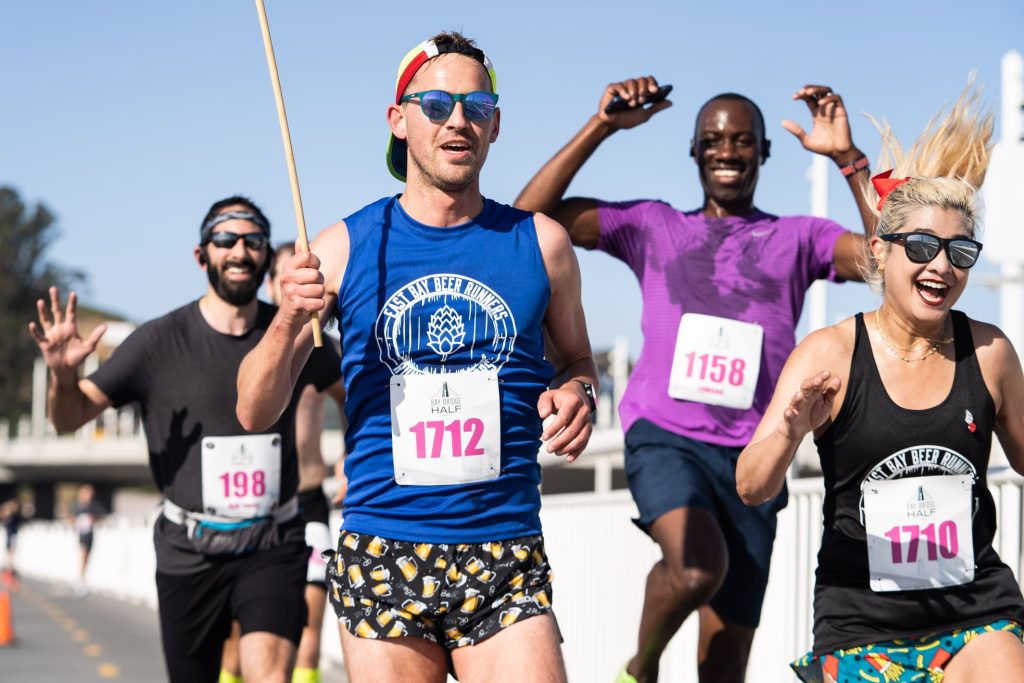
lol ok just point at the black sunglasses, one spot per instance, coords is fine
(922, 247)
(226, 240)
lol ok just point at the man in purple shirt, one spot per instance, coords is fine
(723, 287)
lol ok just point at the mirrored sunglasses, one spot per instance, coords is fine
(438, 105)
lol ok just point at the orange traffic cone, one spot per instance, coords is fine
(6, 620)
(10, 581)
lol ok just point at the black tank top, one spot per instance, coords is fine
(873, 438)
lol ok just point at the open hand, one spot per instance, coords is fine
(830, 131)
(810, 406)
(57, 334)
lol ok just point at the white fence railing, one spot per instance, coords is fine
(601, 562)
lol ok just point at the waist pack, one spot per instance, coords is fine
(215, 535)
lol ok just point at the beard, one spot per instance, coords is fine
(237, 293)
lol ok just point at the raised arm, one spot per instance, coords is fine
(544, 193)
(831, 136)
(71, 401)
(566, 328)
(804, 401)
(309, 282)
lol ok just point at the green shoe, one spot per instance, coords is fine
(625, 677)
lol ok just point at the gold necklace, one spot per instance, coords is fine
(935, 344)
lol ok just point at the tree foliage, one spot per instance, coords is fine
(26, 233)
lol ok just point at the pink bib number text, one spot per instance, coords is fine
(243, 483)
(442, 432)
(948, 546)
(721, 368)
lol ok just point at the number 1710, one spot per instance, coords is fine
(947, 545)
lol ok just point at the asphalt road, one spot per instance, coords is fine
(60, 638)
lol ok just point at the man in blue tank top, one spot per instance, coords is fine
(444, 300)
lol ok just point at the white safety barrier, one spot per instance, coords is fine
(122, 562)
(600, 561)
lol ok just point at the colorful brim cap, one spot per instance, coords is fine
(417, 57)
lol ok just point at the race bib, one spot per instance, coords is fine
(318, 538)
(241, 475)
(83, 522)
(717, 361)
(445, 428)
(919, 532)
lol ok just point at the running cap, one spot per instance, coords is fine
(411, 63)
(214, 221)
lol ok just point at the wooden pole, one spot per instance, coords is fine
(302, 243)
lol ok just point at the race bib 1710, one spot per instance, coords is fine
(919, 532)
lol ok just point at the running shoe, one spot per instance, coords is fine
(625, 677)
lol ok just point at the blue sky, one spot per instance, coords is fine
(130, 118)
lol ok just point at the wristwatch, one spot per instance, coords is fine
(588, 389)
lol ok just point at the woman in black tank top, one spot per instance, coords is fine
(903, 402)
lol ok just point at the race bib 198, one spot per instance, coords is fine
(241, 474)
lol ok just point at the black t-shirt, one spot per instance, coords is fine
(183, 373)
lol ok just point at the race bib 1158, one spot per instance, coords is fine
(717, 361)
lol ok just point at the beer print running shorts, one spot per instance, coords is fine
(453, 595)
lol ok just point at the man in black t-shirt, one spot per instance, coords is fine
(230, 543)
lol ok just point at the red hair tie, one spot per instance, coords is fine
(884, 185)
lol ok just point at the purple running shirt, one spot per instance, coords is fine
(754, 268)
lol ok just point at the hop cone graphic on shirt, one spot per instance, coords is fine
(445, 332)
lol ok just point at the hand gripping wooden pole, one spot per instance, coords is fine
(302, 244)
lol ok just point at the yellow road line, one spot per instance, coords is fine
(108, 670)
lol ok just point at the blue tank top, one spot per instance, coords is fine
(489, 277)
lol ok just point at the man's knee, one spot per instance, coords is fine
(266, 657)
(695, 555)
(694, 585)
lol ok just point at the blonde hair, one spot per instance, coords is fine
(945, 167)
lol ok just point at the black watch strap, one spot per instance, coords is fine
(588, 389)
